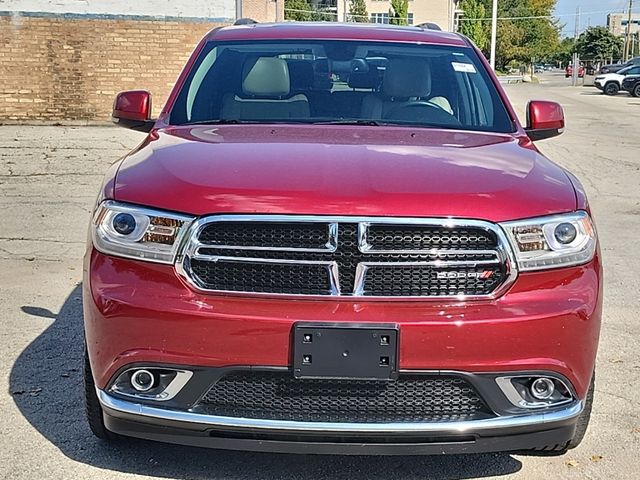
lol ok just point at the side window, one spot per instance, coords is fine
(634, 71)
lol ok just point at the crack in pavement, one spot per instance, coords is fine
(49, 240)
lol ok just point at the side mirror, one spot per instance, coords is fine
(544, 120)
(133, 110)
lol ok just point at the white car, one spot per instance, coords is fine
(611, 83)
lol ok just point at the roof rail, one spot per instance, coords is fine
(429, 26)
(245, 21)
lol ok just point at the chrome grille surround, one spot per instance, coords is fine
(193, 248)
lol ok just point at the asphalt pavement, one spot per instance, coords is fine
(49, 178)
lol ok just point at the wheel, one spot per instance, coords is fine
(611, 88)
(636, 90)
(92, 404)
(581, 427)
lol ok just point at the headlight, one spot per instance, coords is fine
(552, 242)
(137, 232)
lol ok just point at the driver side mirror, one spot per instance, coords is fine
(132, 110)
(544, 120)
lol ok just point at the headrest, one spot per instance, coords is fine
(370, 79)
(405, 78)
(266, 77)
(301, 74)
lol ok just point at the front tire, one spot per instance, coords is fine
(581, 427)
(611, 88)
(636, 91)
(92, 404)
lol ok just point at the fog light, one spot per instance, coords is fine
(142, 380)
(124, 223)
(542, 388)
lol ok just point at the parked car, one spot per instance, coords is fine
(569, 71)
(616, 67)
(631, 84)
(388, 265)
(611, 83)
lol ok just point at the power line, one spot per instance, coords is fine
(534, 17)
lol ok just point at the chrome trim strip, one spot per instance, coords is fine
(469, 426)
(504, 254)
(433, 251)
(281, 261)
(177, 384)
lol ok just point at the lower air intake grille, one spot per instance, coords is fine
(279, 396)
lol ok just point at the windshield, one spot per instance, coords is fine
(367, 83)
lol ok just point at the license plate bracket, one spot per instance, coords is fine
(345, 351)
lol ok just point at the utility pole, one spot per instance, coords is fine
(576, 57)
(494, 32)
(627, 40)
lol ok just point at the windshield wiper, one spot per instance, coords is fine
(369, 123)
(217, 122)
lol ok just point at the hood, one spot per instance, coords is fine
(609, 76)
(342, 170)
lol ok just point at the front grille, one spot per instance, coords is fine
(264, 277)
(329, 258)
(423, 281)
(279, 396)
(395, 237)
(266, 235)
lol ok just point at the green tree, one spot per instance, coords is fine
(399, 12)
(475, 29)
(565, 50)
(598, 43)
(298, 10)
(526, 30)
(358, 11)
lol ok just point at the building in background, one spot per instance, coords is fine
(64, 60)
(445, 13)
(617, 23)
(261, 10)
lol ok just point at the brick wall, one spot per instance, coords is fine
(56, 69)
(263, 11)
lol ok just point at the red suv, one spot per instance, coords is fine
(568, 72)
(340, 239)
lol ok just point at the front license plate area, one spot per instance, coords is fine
(345, 351)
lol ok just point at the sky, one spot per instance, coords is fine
(594, 12)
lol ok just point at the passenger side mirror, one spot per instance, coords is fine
(544, 120)
(132, 110)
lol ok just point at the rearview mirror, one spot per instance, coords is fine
(132, 110)
(544, 120)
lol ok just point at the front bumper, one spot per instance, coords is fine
(506, 433)
(139, 313)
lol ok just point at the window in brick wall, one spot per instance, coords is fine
(383, 18)
(380, 18)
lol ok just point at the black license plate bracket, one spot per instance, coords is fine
(345, 351)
